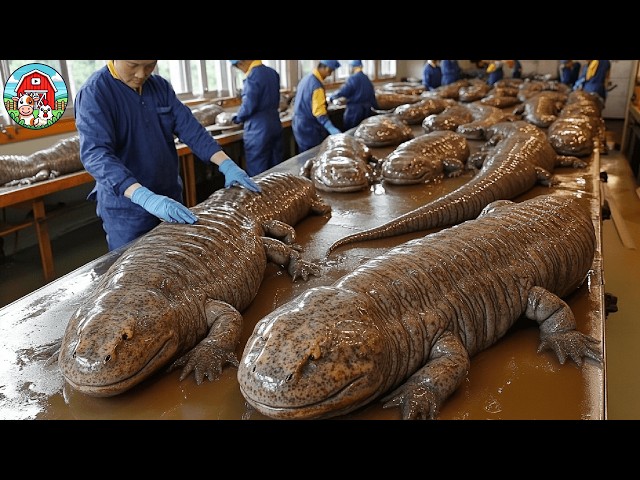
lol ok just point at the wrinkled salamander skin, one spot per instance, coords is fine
(402, 327)
(426, 159)
(61, 158)
(175, 294)
(511, 167)
(342, 164)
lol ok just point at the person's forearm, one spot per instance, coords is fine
(132, 188)
(219, 157)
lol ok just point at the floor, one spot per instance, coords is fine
(21, 273)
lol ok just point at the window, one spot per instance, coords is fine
(79, 71)
(195, 78)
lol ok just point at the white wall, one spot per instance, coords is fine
(618, 98)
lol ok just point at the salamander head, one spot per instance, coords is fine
(340, 173)
(114, 343)
(408, 168)
(318, 356)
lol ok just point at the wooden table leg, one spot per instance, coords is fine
(42, 232)
(189, 174)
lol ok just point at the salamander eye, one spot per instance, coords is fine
(316, 352)
(127, 334)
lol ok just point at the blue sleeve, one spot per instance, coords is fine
(250, 97)
(95, 124)
(191, 132)
(347, 89)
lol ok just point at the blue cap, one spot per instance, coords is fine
(234, 62)
(332, 64)
(356, 63)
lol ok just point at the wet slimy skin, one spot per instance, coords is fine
(511, 167)
(175, 295)
(426, 159)
(61, 158)
(403, 326)
(342, 164)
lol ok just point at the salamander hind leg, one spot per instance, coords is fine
(557, 328)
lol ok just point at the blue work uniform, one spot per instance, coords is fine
(495, 71)
(595, 77)
(517, 69)
(311, 122)
(259, 112)
(127, 137)
(361, 98)
(569, 73)
(450, 71)
(431, 76)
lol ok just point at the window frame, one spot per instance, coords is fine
(291, 72)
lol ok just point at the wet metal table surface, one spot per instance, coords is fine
(510, 380)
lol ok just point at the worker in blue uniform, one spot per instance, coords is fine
(450, 71)
(495, 71)
(569, 72)
(259, 113)
(126, 119)
(360, 95)
(595, 77)
(311, 123)
(516, 68)
(432, 75)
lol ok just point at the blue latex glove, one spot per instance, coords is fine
(162, 207)
(233, 174)
(332, 130)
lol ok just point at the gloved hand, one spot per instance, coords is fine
(162, 207)
(234, 119)
(234, 174)
(332, 130)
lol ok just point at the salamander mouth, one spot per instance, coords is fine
(107, 388)
(342, 400)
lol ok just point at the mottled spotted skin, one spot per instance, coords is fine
(61, 158)
(403, 326)
(342, 164)
(426, 159)
(383, 130)
(176, 293)
(512, 166)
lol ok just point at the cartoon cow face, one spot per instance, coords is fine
(26, 106)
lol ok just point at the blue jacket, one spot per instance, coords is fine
(361, 98)
(310, 121)
(495, 71)
(259, 111)
(595, 76)
(450, 71)
(517, 69)
(569, 73)
(431, 76)
(128, 137)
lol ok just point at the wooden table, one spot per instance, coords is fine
(510, 380)
(34, 194)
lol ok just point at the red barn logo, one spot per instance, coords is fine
(35, 96)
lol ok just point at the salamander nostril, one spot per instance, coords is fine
(107, 359)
